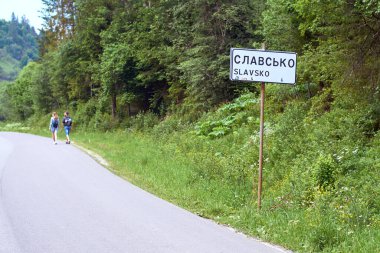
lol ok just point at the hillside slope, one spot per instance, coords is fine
(18, 46)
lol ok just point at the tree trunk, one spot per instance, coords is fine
(114, 105)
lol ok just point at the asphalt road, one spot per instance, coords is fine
(55, 198)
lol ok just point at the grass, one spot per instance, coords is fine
(14, 127)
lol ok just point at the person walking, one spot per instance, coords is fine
(54, 124)
(67, 122)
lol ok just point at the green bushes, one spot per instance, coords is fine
(324, 173)
(144, 121)
(228, 117)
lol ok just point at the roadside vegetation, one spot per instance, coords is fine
(147, 86)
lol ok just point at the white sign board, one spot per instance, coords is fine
(263, 66)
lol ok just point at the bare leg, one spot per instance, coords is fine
(55, 135)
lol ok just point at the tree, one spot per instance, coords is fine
(59, 22)
(19, 93)
(114, 66)
(281, 27)
(18, 46)
(217, 26)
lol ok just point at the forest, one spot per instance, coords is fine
(122, 57)
(158, 71)
(18, 46)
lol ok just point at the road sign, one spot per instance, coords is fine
(263, 66)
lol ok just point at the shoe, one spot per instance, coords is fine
(55, 143)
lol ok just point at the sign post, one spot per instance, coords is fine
(262, 66)
(260, 181)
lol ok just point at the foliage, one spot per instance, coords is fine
(228, 117)
(162, 54)
(18, 46)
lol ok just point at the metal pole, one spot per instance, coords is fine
(261, 145)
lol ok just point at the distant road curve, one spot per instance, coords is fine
(55, 198)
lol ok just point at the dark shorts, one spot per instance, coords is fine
(67, 130)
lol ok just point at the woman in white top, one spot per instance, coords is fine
(54, 123)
